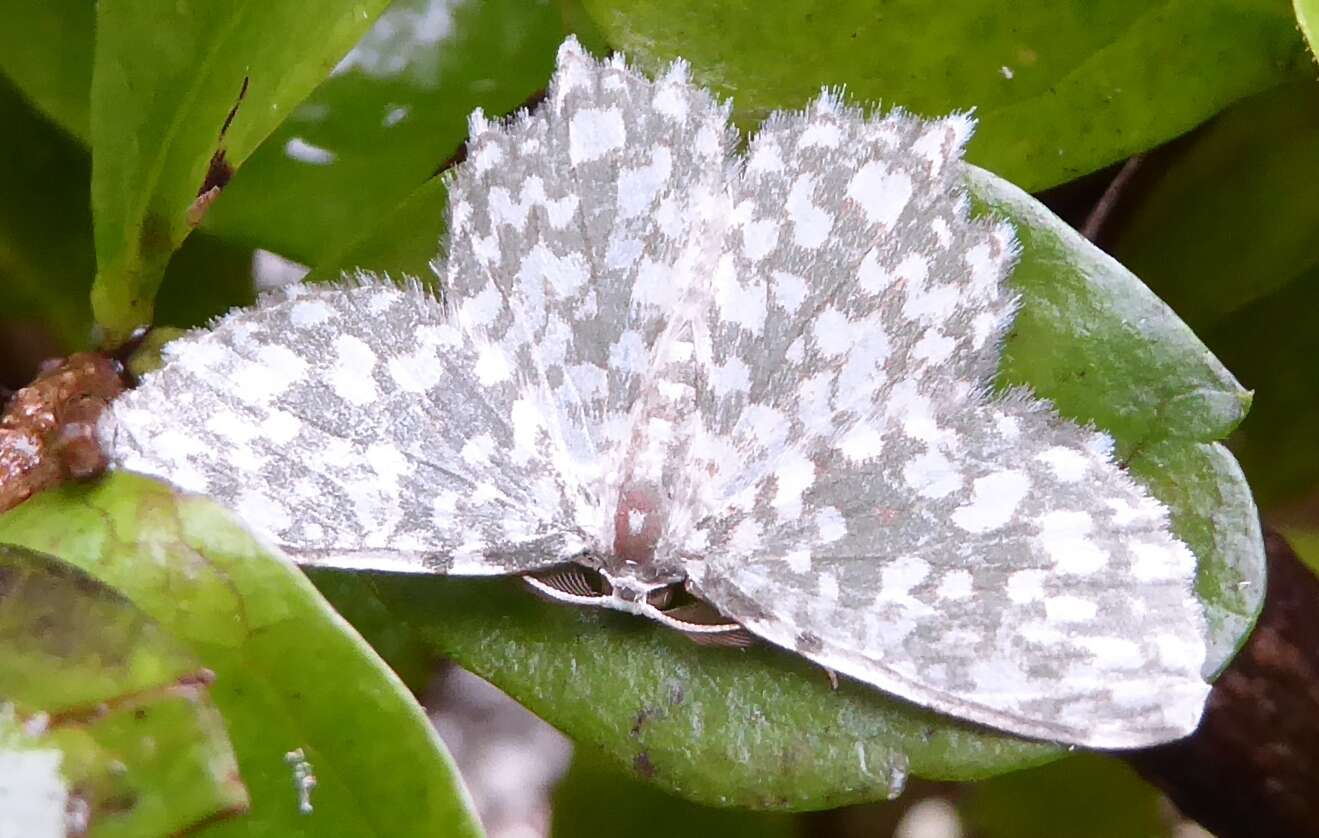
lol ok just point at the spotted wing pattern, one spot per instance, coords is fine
(789, 353)
(869, 502)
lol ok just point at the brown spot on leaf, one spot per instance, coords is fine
(644, 715)
(218, 173)
(643, 765)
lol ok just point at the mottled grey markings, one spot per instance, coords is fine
(765, 376)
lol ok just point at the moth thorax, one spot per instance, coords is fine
(638, 523)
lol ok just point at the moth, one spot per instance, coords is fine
(738, 392)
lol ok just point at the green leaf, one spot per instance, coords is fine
(46, 256)
(1099, 344)
(1086, 796)
(288, 673)
(1235, 255)
(390, 117)
(759, 728)
(1211, 241)
(112, 700)
(639, 810)
(165, 78)
(1272, 344)
(705, 723)
(69, 643)
(402, 242)
(1307, 15)
(1060, 88)
(46, 50)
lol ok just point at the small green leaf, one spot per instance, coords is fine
(47, 258)
(288, 673)
(1061, 89)
(165, 78)
(46, 50)
(388, 119)
(119, 705)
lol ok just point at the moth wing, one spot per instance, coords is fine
(857, 493)
(579, 231)
(358, 427)
(1033, 587)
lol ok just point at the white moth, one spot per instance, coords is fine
(760, 380)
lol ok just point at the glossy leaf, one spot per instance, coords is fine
(288, 673)
(47, 258)
(165, 79)
(90, 681)
(705, 722)
(758, 728)
(1061, 89)
(394, 111)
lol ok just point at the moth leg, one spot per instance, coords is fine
(704, 626)
(833, 678)
(569, 582)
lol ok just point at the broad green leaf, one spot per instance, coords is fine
(1221, 231)
(393, 112)
(99, 693)
(1086, 796)
(165, 78)
(705, 723)
(1061, 89)
(758, 728)
(289, 674)
(400, 647)
(46, 50)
